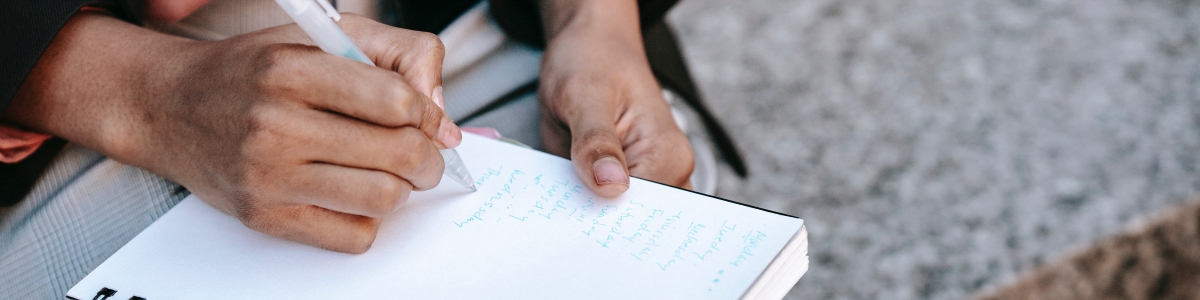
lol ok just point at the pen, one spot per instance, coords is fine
(318, 23)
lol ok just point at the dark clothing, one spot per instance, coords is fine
(522, 20)
(30, 25)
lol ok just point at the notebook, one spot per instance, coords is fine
(532, 231)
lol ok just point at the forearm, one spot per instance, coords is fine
(89, 85)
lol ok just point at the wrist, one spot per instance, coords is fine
(156, 76)
(91, 84)
(614, 19)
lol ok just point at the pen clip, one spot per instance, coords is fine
(329, 10)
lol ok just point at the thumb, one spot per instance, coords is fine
(598, 156)
(416, 56)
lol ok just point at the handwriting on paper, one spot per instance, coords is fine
(656, 237)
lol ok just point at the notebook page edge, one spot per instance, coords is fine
(776, 280)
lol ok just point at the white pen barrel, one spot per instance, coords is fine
(456, 170)
(323, 30)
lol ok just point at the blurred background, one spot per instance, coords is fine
(951, 149)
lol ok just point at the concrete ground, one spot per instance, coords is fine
(1160, 260)
(939, 147)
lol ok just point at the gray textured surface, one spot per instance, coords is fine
(939, 147)
(84, 208)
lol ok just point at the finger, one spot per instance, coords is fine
(318, 80)
(403, 152)
(316, 226)
(595, 148)
(556, 137)
(305, 74)
(597, 155)
(415, 55)
(353, 191)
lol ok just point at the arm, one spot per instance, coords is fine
(74, 95)
(30, 26)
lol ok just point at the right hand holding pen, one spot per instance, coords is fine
(298, 143)
(294, 142)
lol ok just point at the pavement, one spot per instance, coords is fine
(1160, 260)
(937, 148)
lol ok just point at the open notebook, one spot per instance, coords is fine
(532, 231)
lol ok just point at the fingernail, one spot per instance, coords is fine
(437, 97)
(487, 132)
(609, 170)
(449, 134)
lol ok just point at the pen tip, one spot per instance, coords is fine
(473, 188)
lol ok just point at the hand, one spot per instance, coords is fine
(294, 142)
(603, 106)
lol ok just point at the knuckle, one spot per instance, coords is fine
(243, 208)
(420, 163)
(360, 245)
(360, 239)
(429, 174)
(406, 163)
(683, 153)
(430, 126)
(427, 118)
(402, 197)
(430, 51)
(598, 142)
(687, 163)
(585, 86)
(397, 100)
(382, 195)
(410, 157)
(272, 68)
(264, 131)
(429, 42)
(431, 120)
(256, 218)
(273, 54)
(434, 167)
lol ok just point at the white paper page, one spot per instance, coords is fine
(531, 231)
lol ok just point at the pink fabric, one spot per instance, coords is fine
(484, 131)
(17, 144)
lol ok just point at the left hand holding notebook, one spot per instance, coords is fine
(603, 107)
